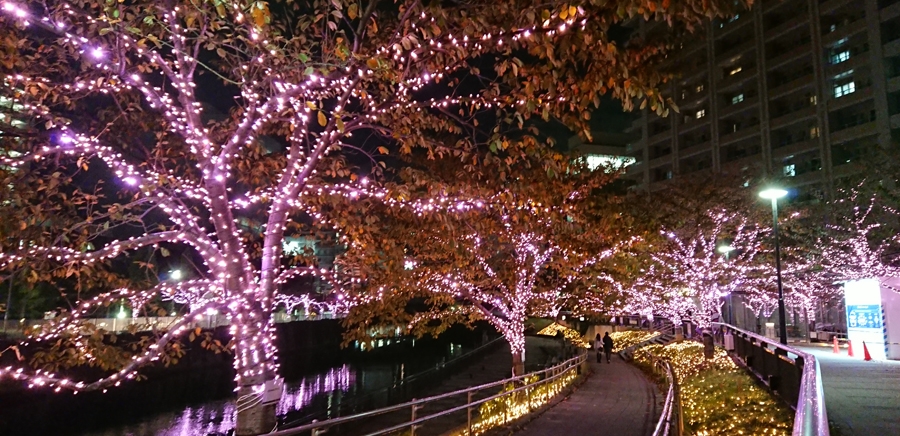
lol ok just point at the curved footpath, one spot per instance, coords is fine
(616, 399)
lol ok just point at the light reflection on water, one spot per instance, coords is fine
(300, 394)
(209, 418)
(202, 420)
(217, 417)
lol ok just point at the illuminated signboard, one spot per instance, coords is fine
(864, 316)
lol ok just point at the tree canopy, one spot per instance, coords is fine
(207, 128)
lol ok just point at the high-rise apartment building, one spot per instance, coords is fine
(792, 88)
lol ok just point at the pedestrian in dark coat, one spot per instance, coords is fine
(607, 345)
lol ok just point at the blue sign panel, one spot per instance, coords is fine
(864, 317)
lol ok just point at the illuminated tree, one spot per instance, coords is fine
(513, 253)
(127, 93)
(653, 293)
(687, 226)
(692, 260)
(854, 246)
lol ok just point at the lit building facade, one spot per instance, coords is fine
(791, 88)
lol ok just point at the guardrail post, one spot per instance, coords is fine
(469, 413)
(412, 427)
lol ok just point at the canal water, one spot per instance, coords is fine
(201, 402)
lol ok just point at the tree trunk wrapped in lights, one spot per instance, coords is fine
(126, 92)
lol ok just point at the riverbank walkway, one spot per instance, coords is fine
(616, 399)
(862, 398)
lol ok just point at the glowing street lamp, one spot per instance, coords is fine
(774, 194)
(176, 274)
(725, 249)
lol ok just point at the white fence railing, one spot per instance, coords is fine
(670, 420)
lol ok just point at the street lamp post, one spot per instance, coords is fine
(774, 194)
(726, 249)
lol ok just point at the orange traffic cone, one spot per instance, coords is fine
(850, 348)
(866, 354)
(836, 350)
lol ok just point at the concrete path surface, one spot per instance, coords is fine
(617, 399)
(862, 398)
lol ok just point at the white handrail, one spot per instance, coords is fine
(664, 425)
(811, 418)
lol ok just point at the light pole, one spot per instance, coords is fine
(774, 194)
(726, 249)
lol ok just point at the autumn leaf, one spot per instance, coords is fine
(322, 120)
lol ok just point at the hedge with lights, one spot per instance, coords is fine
(571, 335)
(717, 397)
(509, 408)
(623, 340)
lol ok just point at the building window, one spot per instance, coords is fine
(839, 57)
(841, 90)
(813, 132)
(734, 71)
(700, 113)
(790, 170)
(700, 88)
(843, 75)
(737, 99)
(812, 100)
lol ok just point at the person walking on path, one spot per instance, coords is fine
(607, 345)
(598, 345)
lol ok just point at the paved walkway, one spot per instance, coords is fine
(862, 398)
(617, 399)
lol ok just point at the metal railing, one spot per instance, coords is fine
(793, 374)
(524, 384)
(670, 420)
(402, 389)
